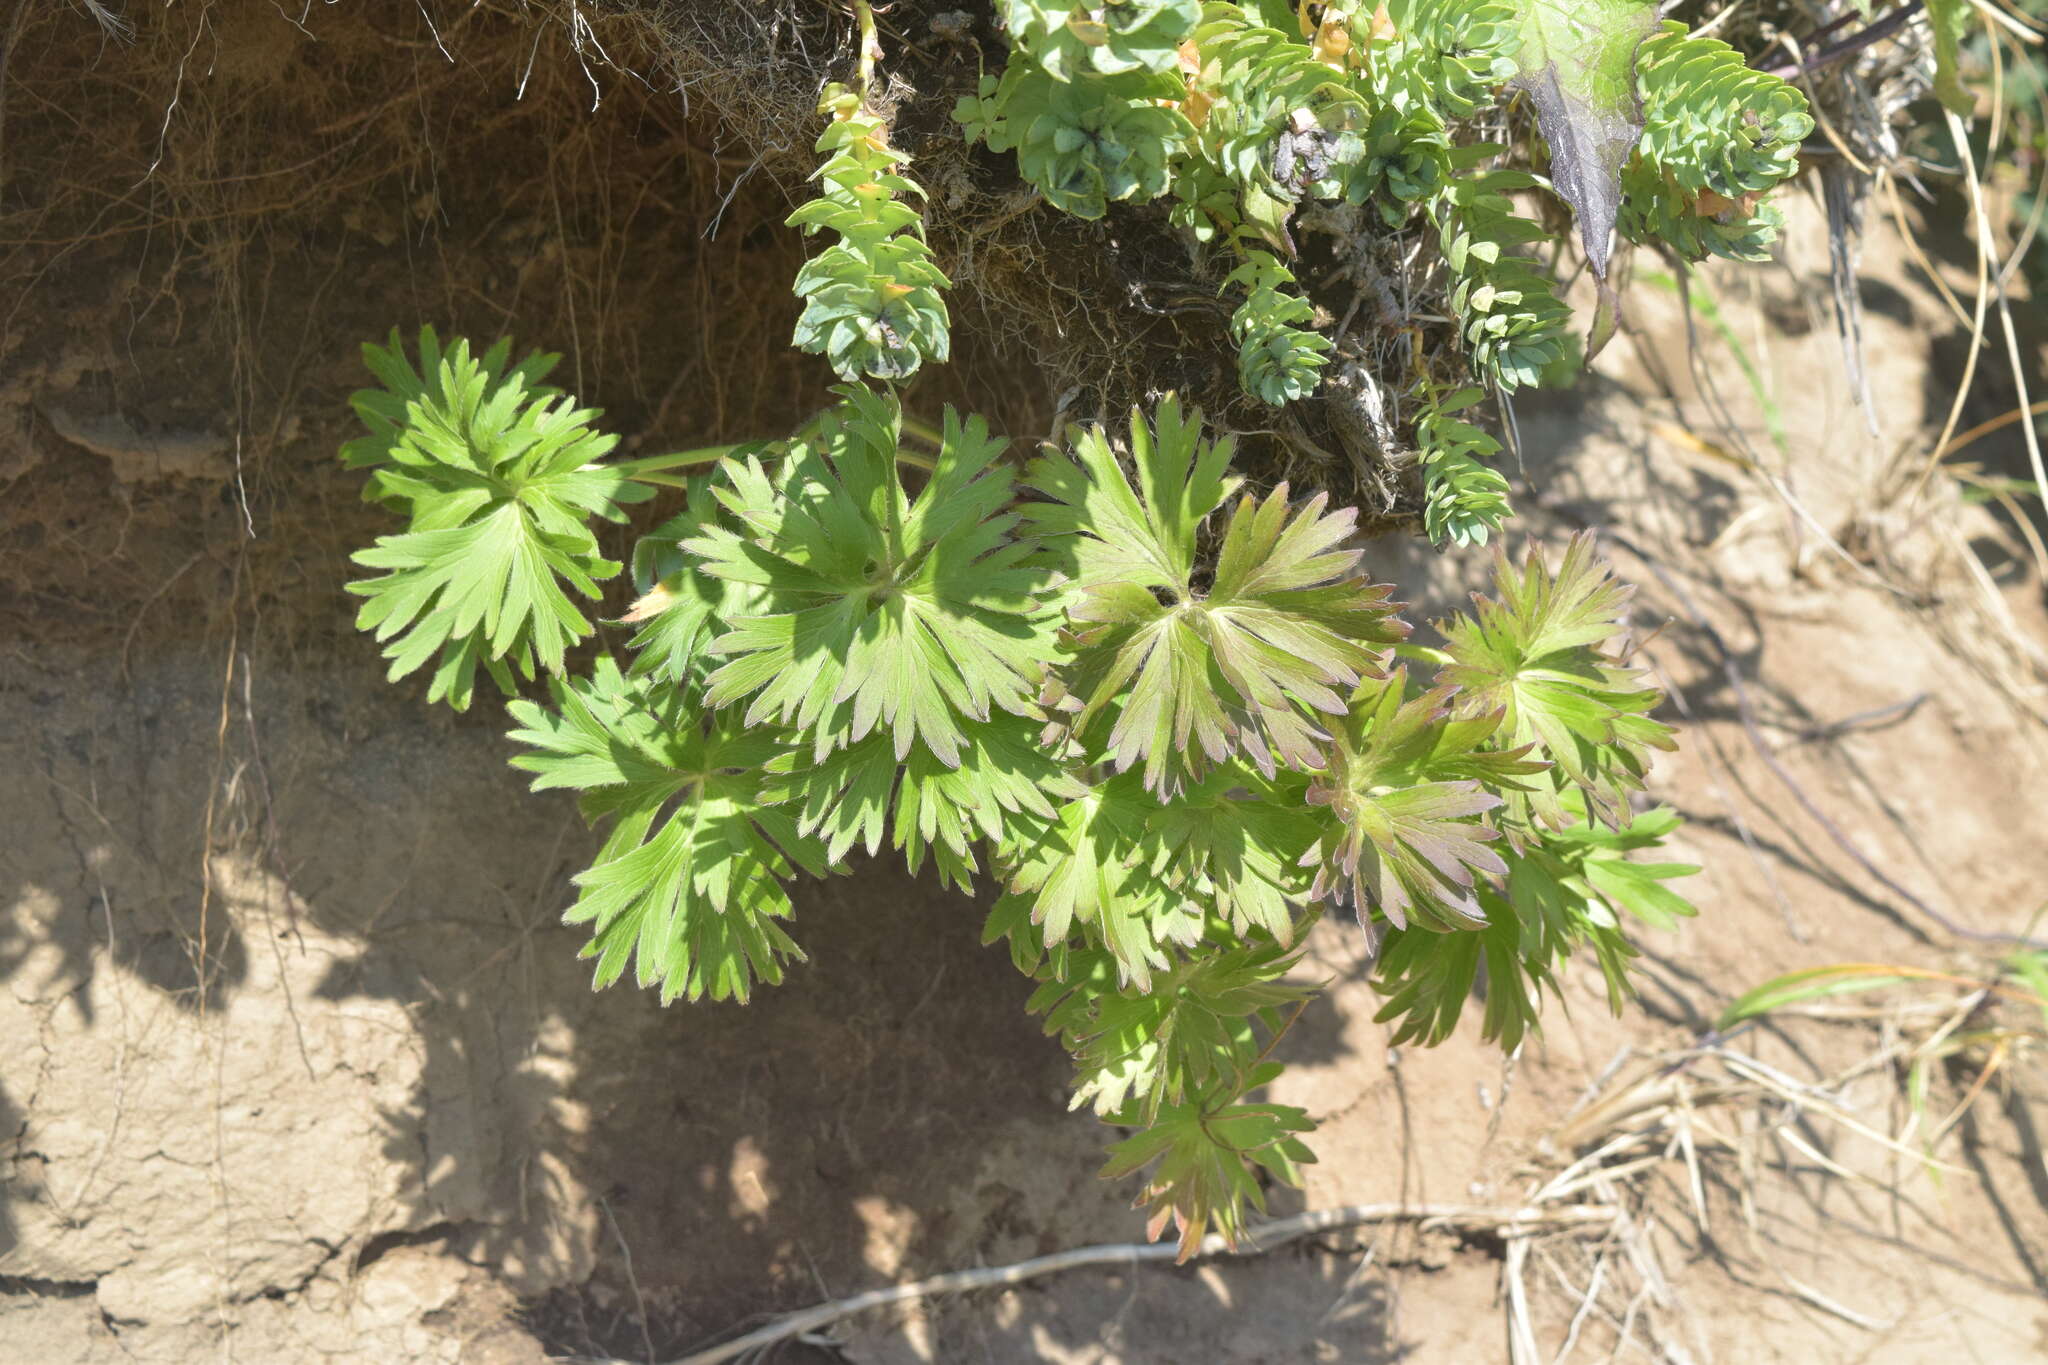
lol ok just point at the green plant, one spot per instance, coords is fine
(871, 299)
(1168, 719)
(1160, 713)
(1246, 113)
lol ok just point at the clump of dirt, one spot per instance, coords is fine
(269, 190)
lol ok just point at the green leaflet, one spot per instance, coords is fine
(1531, 652)
(689, 886)
(1576, 60)
(1452, 54)
(1509, 314)
(1558, 898)
(1717, 136)
(1196, 1030)
(1406, 782)
(1207, 1156)
(680, 609)
(1466, 499)
(1278, 360)
(1236, 841)
(849, 795)
(1083, 873)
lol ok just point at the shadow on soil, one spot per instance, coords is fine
(889, 1110)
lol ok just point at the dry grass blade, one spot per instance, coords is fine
(1960, 136)
(1655, 1120)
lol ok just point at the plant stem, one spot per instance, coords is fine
(651, 468)
(870, 45)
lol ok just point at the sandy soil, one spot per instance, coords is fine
(301, 1067)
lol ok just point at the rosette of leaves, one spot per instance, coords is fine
(1465, 500)
(1085, 143)
(1404, 155)
(499, 479)
(1277, 122)
(1717, 137)
(1449, 56)
(1509, 315)
(871, 299)
(1154, 709)
(1068, 39)
(1278, 359)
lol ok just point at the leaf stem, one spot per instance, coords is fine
(870, 45)
(923, 431)
(1424, 654)
(652, 469)
(681, 459)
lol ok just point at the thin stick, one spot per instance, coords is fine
(632, 1280)
(1257, 1240)
(1847, 47)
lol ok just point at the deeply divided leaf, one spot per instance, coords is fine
(689, 887)
(1174, 672)
(918, 615)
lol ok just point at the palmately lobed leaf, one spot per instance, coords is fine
(1207, 1155)
(1407, 780)
(1532, 652)
(1194, 1031)
(501, 480)
(1562, 894)
(680, 609)
(1235, 841)
(917, 616)
(850, 796)
(1085, 871)
(1185, 672)
(688, 888)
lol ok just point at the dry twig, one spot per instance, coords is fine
(1506, 1221)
